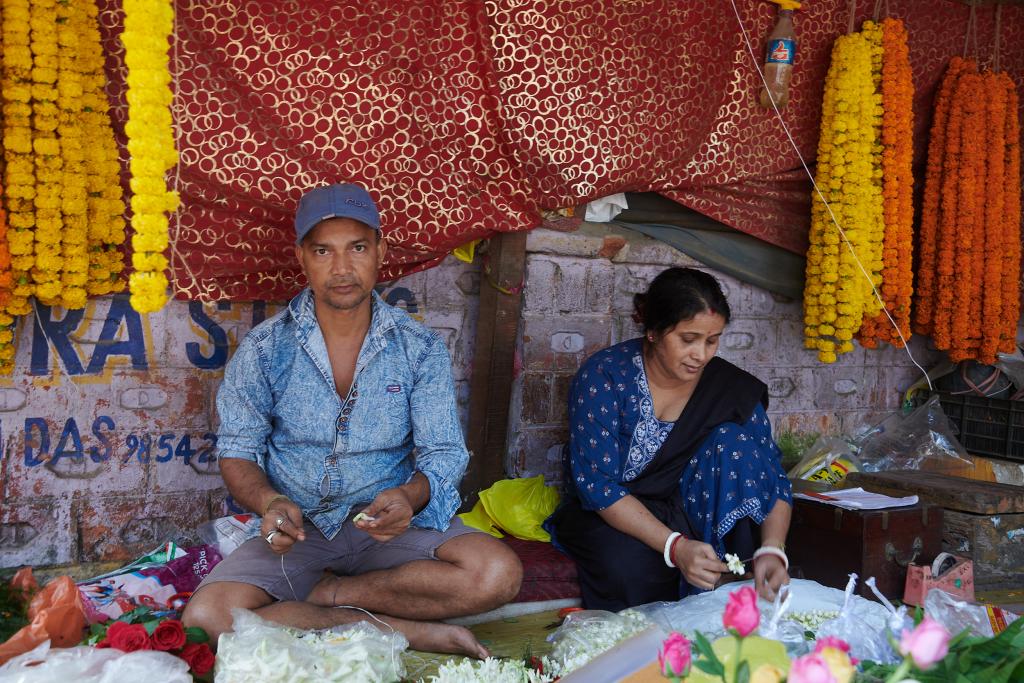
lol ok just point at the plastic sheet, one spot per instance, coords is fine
(258, 650)
(92, 665)
(906, 442)
(586, 634)
(957, 615)
(861, 622)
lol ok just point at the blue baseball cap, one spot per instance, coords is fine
(343, 200)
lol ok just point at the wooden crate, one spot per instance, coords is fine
(827, 543)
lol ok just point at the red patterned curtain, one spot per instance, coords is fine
(467, 118)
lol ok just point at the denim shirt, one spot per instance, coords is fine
(279, 408)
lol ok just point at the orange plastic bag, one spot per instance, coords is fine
(55, 614)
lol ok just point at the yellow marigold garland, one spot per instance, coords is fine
(19, 166)
(105, 205)
(151, 150)
(837, 295)
(897, 90)
(49, 232)
(74, 271)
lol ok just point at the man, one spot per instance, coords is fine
(339, 426)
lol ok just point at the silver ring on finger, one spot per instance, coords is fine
(270, 537)
(278, 522)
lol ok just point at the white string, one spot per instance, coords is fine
(842, 233)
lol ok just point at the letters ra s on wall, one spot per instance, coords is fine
(108, 384)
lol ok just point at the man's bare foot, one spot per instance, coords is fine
(432, 636)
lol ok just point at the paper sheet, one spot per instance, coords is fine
(858, 499)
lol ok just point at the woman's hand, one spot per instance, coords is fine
(698, 563)
(769, 575)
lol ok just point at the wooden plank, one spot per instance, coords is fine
(494, 362)
(953, 493)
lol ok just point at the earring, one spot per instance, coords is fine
(650, 338)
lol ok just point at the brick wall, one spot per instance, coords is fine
(579, 300)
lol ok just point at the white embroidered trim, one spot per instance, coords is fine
(751, 507)
(649, 433)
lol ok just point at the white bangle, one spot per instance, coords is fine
(772, 550)
(668, 548)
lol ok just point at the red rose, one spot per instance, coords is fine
(103, 644)
(168, 635)
(199, 656)
(128, 637)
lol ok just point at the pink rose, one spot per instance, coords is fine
(926, 644)
(674, 657)
(741, 613)
(810, 669)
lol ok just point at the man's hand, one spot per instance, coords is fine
(285, 518)
(392, 512)
(699, 563)
(769, 575)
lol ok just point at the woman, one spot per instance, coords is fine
(671, 458)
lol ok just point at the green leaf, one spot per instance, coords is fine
(743, 672)
(194, 634)
(711, 668)
(150, 625)
(918, 615)
(97, 630)
(703, 646)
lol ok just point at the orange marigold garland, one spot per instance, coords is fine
(1011, 221)
(971, 248)
(928, 233)
(897, 88)
(990, 267)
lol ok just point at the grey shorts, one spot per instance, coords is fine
(351, 552)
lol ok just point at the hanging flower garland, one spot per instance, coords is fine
(837, 295)
(971, 223)
(1011, 243)
(897, 90)
(19, 163)
(147, 25)
(46, 146)
(105, 206)
(924, 308)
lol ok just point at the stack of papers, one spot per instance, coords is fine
(858, 499)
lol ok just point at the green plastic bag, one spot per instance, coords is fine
(517, 507)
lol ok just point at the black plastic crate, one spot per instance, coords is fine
(990, 427)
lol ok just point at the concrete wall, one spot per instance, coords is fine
(579, 298)
(108, 421)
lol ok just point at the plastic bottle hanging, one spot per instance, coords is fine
(780, 55)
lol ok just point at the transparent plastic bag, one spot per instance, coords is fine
(867, 626)
(957, 615)
(258, 650)
(92, 665)
(227, 533)
(588, 633)
(906, 442)
(828, 460)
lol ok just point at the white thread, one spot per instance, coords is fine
(842, 233)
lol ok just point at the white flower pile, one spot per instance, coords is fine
(813, 619)
(260, 651)
(579, 641)
(489, 670)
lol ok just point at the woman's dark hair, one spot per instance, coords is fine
(678, 294)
